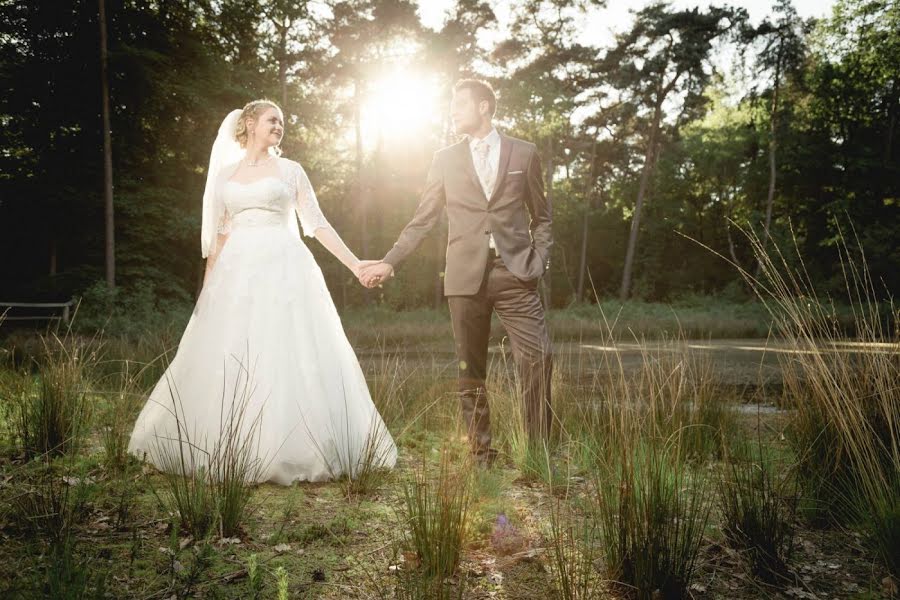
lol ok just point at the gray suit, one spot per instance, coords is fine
(477, 282)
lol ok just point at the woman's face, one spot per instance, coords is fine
(268, 129)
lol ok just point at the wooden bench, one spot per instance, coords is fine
(65, 306)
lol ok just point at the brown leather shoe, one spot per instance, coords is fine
(485, 458)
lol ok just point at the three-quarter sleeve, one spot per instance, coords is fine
(307, 205)
(223, 226)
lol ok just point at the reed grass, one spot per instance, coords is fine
(407, 582)
(846, 432)
(575, 553)
(653, 511)
(116, 421)
(758, 504)
(52, 418)
(436, 514)
(210, 484)
(361, 466)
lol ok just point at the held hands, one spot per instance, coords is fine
(374, 272)
(360, 266)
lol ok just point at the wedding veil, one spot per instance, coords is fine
(225, 151)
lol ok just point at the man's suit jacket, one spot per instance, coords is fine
(518, 214)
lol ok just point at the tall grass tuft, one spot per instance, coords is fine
(50, 499)
(843, 383)
(574, 554)
(360, 465)
(117, 419)
(209, 486)
(406, 582)
(360, 473)
(437, 515)
(671, 392)
(53, 418)
(641, 433)
(758, 509)
(652, 513)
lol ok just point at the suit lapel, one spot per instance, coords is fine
(469, 166)
(505, 152)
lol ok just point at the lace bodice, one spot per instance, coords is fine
(271, 200)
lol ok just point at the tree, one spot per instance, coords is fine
(664, 56)
(109, 212)
(782, 56)
(365, 34)
(546, 71)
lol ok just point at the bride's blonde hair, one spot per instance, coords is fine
(252, 111)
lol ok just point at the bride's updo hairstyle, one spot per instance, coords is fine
(252, 111)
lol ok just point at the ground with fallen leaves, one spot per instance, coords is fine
(334, 547)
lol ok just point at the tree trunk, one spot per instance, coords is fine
(107, 156)
(440, 244)
(360, 183)
(773, 146)
(625, 290)
(53, 257)
(545, 281)
(283, 60)
(892, 123)
(589, 189)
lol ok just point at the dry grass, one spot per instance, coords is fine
(846, 433)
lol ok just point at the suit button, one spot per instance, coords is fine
(487, 232)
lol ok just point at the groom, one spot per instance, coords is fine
(498, 248)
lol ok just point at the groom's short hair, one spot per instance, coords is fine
(480, 90)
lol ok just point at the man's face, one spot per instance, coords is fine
(464, 112)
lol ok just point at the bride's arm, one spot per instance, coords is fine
(329, 238)
(314, 223)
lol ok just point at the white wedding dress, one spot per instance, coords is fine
(265, 342)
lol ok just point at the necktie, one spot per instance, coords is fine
(486, 174)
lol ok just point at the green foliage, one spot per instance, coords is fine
(209, 484)
(437, 516)
(652, 512)
(758, 507)
(130, 312)
(52, 415)
(177, 68)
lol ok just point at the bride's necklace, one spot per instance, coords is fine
(256, 163)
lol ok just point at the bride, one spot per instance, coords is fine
(264, 366)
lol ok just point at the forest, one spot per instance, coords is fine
(663, 146)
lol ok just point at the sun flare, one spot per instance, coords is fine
(401, 105)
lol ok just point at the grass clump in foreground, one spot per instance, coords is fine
(437, 514)
(642, 438)
(209, 488)
(652, 512)
(52, 419)
(846, 430)
(758, 506)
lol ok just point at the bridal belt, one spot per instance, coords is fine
(258, 218)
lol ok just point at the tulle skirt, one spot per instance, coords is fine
(264, 377)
